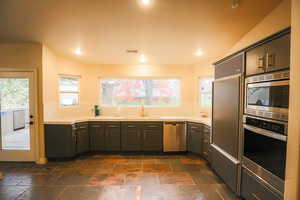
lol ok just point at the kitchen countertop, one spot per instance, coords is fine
(206, 121)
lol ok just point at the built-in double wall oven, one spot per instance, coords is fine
(265, 127)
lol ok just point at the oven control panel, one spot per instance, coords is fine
(270, 125)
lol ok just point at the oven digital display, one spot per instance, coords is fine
(269, 96)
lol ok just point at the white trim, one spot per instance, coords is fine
(35, 133)
(206, 92)
(69, 92)
(70, 76)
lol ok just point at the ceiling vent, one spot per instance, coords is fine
(132, 51)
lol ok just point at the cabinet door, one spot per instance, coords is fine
(195, 141)
(206, 142)
(256, 60)
(205, 148)
(131, 137)
(83, 142)
(60, 141)
(278, 55)
(113, 137)
(152, 140)
(97, 137)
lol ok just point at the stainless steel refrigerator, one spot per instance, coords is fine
(227, 120)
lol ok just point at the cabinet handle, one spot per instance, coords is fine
(130, 126)
(261, 62)
(113, 126)
(270, 60)
(255, 197)
(152, 126)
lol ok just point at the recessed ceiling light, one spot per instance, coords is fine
(199, 52)
(143, 58)
(146, 2)
(235, 4)
(78, 51)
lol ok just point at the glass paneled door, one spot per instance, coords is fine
(17, 109)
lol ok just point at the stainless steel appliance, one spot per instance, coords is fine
(265, 150)
(268, 95)
(227, 120)
(174, 136)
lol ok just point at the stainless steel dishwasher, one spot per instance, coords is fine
(174, 136)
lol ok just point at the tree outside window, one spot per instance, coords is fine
(135, 92)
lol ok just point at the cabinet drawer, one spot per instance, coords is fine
(254, 189)
(195, 126)
(225, 168)
(130, 125)
(82, 126)
(96, 125)
(112, 124)
(157, 125)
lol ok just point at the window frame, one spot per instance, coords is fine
(201, 78)
(68, 92)
(140, 78)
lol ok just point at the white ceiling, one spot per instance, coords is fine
(167, 32)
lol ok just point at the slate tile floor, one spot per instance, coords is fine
(114, 177)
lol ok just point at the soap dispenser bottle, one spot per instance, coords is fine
(97, 110)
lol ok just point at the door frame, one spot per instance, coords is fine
(36, 128)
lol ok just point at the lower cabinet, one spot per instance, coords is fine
(113, 136)
(254, 189)
(206, 151)
(105, 136)
(141, 136)
(152, 140)
(60, 141)
(63, 141)
(82, 138)
(131, 137)
(97, 136)
(195, 138)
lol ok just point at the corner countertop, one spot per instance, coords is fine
(206, 121)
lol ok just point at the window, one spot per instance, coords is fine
(134, 92)
(205, 91)
(69, 91)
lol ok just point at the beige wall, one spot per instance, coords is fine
(292, 171)
(27, 56)
(278, 19)
(89, 87)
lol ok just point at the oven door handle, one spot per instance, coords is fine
(266, 132)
